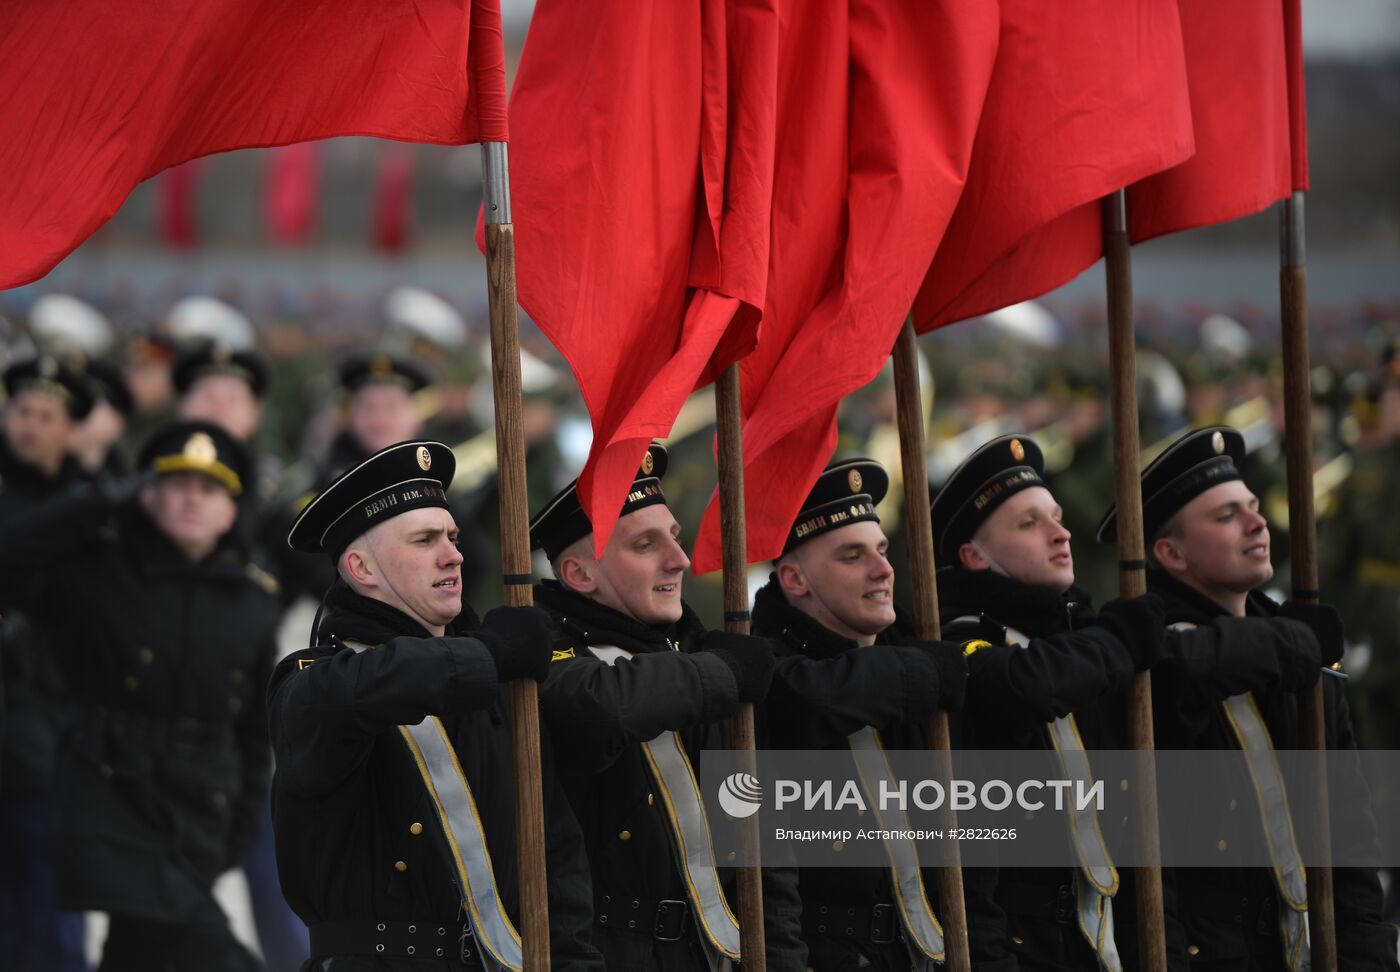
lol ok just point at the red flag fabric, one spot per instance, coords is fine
(642, 151)
(393, 202)
(179, 210)
(1237, 59)
(290, 195)
(1083, 102)
(1078, 104)
(99, 96)
(1297, 96)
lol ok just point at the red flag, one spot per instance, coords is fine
(1297, 95)
(99, 96)
(642, 150)
(393, 202)
(179, 210)
(873, 150)
(1238, 66)
(289, 199)
(1083, 102)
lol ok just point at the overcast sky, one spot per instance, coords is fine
(1351, 29)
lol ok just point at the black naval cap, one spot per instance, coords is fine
(1191, 465)
(982, 482)
(110, 385)
(213, 358)
(563, 521)
(65, 380)
(381, 368)
(846, 492)
(197, 447)
(408, 476)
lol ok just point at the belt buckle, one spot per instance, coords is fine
(665, 929)
(883, 925)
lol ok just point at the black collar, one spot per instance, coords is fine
(1035, 611)
(598, 624)
(1184, 603)
(774, 617)
(347, 616)
(17, 474)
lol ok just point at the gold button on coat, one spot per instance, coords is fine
(132, 683)
(147, 656)
(625, 835)
(400, 866)
(415, 828)
(1193, 950)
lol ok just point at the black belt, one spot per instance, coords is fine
(869, 923)
(394, 939)
(1045, 901)
(666, 920)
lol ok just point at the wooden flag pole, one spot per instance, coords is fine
(919, 530)
(515, 548)
(1302, 551)
(1132, 565)
(736, 621)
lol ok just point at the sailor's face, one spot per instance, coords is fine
(225, 400)
(1027, 539)
(192, 510)
(844, 580)
(640, 573)
(37, 427)
(382, 414)
(1223, 540)
(419, 563)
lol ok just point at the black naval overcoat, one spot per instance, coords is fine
(160, 781)
(36, 702)
(1077, 662)
(1230, 914)
(356, 831)
(598, 716)
(826, 687)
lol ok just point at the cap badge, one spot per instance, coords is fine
(200, 449)
(854, 479)
(48, 367)
(220, 354)
(425, 458)
(648, 463)
(1217, 442)
(1018, 451)
(380, 366)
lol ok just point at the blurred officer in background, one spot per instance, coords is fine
(166, 632)
(46, 400)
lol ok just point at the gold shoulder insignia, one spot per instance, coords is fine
(565, 653)
(263, 579)
(305, 663)
(974, 645)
